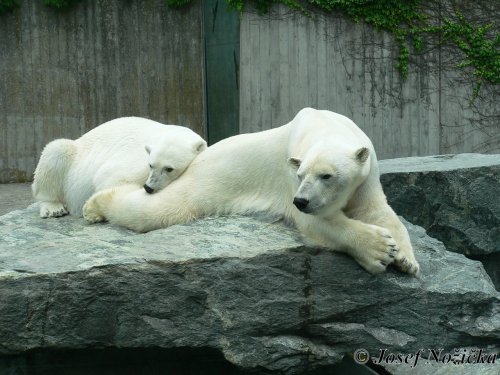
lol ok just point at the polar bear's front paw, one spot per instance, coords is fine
(378, 250)
(91, 210)
(52, 209)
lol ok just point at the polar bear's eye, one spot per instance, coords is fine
(150, 166)
(168, 169)
(325, 176)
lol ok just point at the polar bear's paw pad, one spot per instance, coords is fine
(52, 209)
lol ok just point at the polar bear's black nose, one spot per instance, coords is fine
(148, 189)
(300, 203)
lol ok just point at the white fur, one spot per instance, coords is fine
(266, 172)
(112, 154)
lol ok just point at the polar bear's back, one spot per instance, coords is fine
(115, 151)
(123, 140)
(129, 131)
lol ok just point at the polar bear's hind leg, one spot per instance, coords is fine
(50, 176)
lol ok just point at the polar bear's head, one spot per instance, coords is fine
(168, 163)
(328, 179)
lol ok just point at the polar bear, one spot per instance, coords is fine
(112, 154)
(318, 172)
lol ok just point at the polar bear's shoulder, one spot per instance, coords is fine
(312, 129)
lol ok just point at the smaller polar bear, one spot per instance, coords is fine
(319, 172)
(112, 154)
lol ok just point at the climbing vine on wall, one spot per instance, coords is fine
(411, 22)
(60, 4)
(8, 5)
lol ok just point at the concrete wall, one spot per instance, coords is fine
(289, 61)
(62, 73)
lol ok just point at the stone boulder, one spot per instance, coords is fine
(240, 286)
(454, 197)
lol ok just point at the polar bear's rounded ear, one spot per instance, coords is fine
(200, 146)
(148, 149)
(362, 154)
(294, 162)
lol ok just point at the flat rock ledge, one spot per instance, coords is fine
(241, 286)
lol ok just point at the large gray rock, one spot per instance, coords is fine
(456, 198)
(241, 286)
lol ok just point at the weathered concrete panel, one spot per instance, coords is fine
(63, 73)
(290, 61)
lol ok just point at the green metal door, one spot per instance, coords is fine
(222, 59)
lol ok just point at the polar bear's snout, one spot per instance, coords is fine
(301, 204)
(148, 189)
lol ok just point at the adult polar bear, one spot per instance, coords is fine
(319, 171)
(112, 154)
